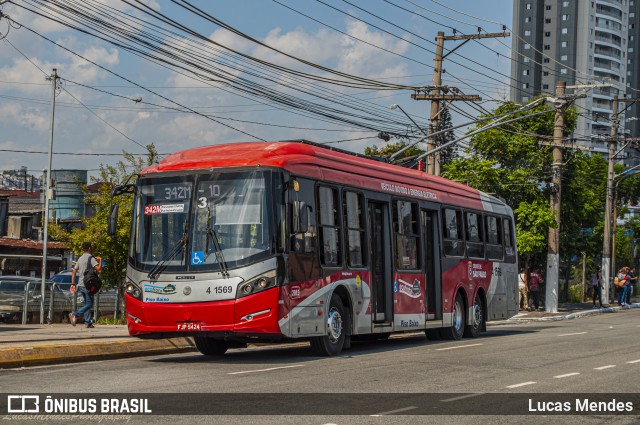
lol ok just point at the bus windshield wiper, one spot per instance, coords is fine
(212, 235)
(162, 264)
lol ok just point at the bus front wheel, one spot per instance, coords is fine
(331, 344)
(211, 346)
(456, 331)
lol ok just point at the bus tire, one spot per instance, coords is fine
(478, 316)
(456, 331)
(211, 346)
(332, 343)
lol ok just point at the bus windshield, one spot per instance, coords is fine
(204, 222)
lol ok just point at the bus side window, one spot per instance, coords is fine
(407, 236)
(329, 227)
(452, 243)
(495, 250)
(474, 235)
(354, 224)
(509, 246)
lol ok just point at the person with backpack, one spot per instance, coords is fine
(84, 268)
(535, 280)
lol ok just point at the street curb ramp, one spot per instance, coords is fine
(16, 357)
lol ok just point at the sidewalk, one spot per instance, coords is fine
(32, 345)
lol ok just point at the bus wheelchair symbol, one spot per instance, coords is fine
(197, 257)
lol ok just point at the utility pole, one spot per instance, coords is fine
(553, 251)
(606, 247)
(54, 81)
(433, 164)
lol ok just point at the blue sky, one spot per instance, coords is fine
(379, 41)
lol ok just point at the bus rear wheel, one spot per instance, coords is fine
(456, 331)
(331, 344)
(473, 330)
(211, 346)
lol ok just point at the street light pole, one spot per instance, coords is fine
(45, 239)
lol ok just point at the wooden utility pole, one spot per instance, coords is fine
(433, 164)
(553, 252)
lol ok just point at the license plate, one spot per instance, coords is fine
(188, 326)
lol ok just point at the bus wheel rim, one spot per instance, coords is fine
(457, 318)
(477, 315)
(334, 325)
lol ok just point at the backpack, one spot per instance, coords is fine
(92, 281)
(619, 280)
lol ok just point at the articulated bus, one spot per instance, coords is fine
(277, 241)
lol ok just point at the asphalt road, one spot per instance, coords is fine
(543, 361)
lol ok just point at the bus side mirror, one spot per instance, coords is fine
(113, 220)
(301, 213)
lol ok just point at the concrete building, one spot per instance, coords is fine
(580, 42)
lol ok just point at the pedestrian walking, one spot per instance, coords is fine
(633, 278)
(596, 284)
(523, 294)
(623, 280)
(86, 261)
(534, 281)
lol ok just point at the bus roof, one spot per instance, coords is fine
(303, 158)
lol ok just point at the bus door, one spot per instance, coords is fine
(431, 238)
(381, 274)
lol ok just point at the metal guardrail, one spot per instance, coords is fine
(13, 301)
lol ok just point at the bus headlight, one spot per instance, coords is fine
(258, 284)
(132, 289)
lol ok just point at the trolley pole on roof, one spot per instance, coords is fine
(553, 251)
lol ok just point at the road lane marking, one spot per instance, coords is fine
(605, 367)
(391, 412)
(461, 397)
(634, 361)
(457, 346)
(577, 333)
(566, 375)
(265, 370)
(521, 385)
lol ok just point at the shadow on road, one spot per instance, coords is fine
(298, 352)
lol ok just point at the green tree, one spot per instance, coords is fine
(449, 153)
(389, 149)
(113, 250)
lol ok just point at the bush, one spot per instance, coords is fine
(109, 320)
(575, 293)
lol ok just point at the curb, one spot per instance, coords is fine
(39, 355)
(569, 316)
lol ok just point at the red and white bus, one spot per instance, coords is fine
(277, 241)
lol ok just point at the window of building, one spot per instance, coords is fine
(527, 46)
(547, 33)
(547, 7)
(545, 73)
(474, 235)
(525, 72)
(354, 224)
(565, 17)
(563, 44)
(632, 15)
(565, 31)
(565, 4)
(525, 85)
(547, 47)
(452, 233)
(547, 21)
(563, 57)
(328, 205)
(545, 60)
(527, 33)
(526, 60)
(545, 87)
(527, 19)
(563, 71)
(528, 6)
(407, 239)
(630, 49)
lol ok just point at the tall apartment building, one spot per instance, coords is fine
(580, 42)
